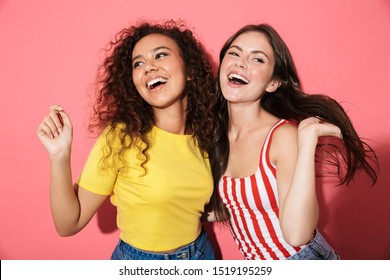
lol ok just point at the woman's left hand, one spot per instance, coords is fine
(313, 128)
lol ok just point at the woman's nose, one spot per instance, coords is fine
(150, 66)
(239, 63)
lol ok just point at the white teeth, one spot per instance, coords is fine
(157, 80)
(236, 76)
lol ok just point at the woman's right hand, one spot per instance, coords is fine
(55, 132)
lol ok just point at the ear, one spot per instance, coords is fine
(274, 85)
(190, 74)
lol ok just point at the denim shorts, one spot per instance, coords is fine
(317, 249)
(200, 249)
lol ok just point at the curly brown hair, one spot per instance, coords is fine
(119, 107)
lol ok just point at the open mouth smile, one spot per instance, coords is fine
(237, 79)
(152, 84)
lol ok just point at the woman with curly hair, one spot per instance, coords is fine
(264, 156)
(153, 114)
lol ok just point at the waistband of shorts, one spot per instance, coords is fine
(183, 252)
(319, 243)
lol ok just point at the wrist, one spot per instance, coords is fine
(60, 157)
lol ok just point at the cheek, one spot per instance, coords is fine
(224, 64)
(223, 81)
(223, 70)
(180, 75)
(136, 80)
(227, 92)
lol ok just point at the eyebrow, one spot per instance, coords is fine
(254, 52)
(153, 51)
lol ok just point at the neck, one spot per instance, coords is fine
(243, 116)
(246, 117)
(173, 121)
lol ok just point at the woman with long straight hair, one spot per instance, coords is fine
(264, 153)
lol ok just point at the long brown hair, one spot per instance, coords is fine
(291, 103)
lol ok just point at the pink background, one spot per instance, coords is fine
(49, 52)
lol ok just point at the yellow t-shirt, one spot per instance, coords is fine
(159, 210)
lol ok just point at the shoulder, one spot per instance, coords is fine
(112, 131)
(111, 135)
(285, 129)
(284, 139)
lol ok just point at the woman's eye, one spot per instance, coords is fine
(233, 53)
(160, 55)
(137, 64)
(260, 60)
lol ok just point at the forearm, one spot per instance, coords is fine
(64, 202)
(301, 210)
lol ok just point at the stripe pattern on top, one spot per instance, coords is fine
(253, 206)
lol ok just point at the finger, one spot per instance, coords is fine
(330, 130)
(56, 108)
(319, 119)
(56, 120)
(51, 124)
(309, 120)
(65, 119)
(45, 130)
(337, 132)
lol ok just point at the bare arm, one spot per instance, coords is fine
(299, 210)
(71, 211)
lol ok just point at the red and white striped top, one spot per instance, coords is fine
(254, 209)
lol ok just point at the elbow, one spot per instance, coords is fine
(297, 241)
(298, 233)
(65, 232)
(297, 238)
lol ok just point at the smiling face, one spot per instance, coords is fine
(159, 72)
(246, 71)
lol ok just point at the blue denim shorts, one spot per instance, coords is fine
(200, 249)
(317, 249)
